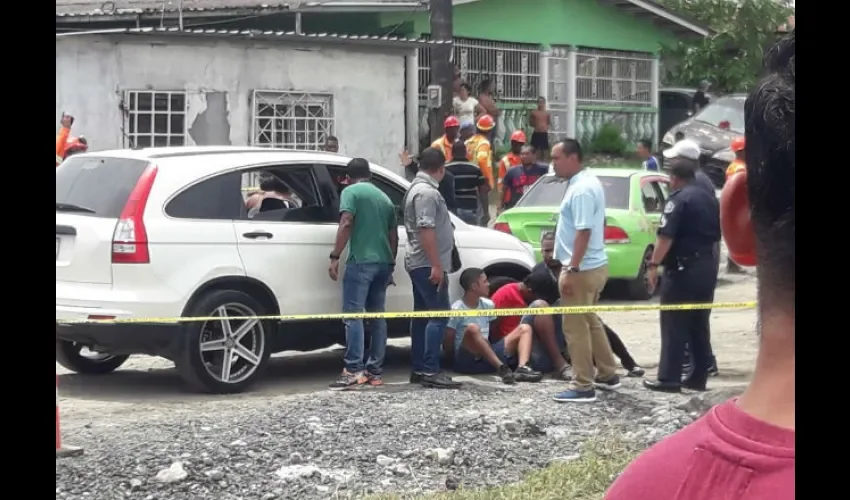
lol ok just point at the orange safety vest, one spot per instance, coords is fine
(735, 167)
(506, 163)
(480, 153)
(443, 145)
(61, 144)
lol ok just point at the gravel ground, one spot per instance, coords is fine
(344, 445)
(146, 439)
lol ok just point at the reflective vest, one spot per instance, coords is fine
(735, 167)
(61, 144)
(505, 164)
(443, 144)
(481, 154)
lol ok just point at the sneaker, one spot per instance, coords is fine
(415, 378)
(526, 374)
(348, 380)
(375, 380)
(636, 372)
(564, 374)
(506, 375)
(572, 396)
(439, 381)
(611, 384)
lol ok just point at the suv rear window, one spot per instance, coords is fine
(550, 190)
(97, 184)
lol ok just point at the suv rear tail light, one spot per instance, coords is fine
(615, 235)
(503, 227)
(130, 239)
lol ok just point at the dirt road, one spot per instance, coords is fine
(147, 384)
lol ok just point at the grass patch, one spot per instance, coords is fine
(585, 478)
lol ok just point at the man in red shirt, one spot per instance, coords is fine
(549, 342)
(744, 448)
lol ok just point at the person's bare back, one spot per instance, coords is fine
(539, 120)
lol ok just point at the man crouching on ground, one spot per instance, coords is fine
(474, 354)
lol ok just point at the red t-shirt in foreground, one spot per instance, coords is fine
(507, 297)
(725, 455)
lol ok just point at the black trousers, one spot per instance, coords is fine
(694, 283)
(712, 361)
(618, 348)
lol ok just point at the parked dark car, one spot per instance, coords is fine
(713, 129)
(676, 104)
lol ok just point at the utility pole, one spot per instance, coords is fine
(442, 70)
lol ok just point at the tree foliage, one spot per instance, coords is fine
(731, 58)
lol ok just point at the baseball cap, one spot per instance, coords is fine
(686, 148)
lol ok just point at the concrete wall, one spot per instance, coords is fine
(367, 86)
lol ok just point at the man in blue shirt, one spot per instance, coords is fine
(580, 246)
(644, 150)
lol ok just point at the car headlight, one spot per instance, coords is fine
(725, 155)
(668, 138)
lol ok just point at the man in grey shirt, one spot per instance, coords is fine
(430, 240)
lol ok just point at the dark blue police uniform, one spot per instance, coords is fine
(691, 219)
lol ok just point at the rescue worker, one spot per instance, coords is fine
(481, 153)
(444, 143)
(66, 145)
(479, 148)
(512, 159)
(738, 165)
(685, 246)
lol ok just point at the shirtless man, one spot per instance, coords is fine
(539, 121)
(488, 104)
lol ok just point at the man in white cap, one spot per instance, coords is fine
(689, 151)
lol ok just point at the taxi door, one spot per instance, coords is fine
(653, 190)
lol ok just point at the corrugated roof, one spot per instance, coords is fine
(74, 8)
(261, 35)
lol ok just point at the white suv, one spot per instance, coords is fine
(160, 233)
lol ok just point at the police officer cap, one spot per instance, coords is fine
(686, 148)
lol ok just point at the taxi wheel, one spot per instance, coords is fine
(638, 288)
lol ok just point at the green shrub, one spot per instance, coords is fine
(609, 141)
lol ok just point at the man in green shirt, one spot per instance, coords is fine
(367, 224)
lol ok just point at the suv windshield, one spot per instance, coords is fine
(95, 185)
(550, 190)
(725, 109)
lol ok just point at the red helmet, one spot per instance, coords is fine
(451, 122)
(76, 145)
(738, 144)
(485, 123)
(518, 136)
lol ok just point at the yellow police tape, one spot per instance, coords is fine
(464, 313)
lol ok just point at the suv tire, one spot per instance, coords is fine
(197, 367)
(68, 355)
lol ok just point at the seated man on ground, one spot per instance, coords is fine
(549, 343)
(551, 267)
(474, 354)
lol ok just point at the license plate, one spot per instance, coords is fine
(57, 248)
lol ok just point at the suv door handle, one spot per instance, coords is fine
(258, 234)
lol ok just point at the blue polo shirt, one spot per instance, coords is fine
(583, 207)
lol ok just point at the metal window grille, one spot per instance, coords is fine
(513, 67)
(613, 78)
(154, 118)
(291, 120)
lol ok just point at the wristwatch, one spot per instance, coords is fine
(334, 257)
(571, 269)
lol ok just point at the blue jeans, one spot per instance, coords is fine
(472, 217)
(364, 288)
(468, 363)
(426, 335)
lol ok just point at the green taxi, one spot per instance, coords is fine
(634, 200)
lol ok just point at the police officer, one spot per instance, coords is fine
(689, 150)
(685, 247)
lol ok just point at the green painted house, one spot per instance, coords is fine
(596, 61)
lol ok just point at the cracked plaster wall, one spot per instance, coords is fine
(220, 76)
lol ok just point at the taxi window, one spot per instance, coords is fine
(550, 190)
